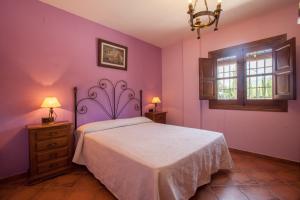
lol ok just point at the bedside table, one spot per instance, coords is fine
(158, 117)
(50, 150)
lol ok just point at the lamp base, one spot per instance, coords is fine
(155, 107)
(47, 120)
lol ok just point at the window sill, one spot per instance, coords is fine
(254, 105)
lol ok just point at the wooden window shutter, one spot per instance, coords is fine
(284, 69)
(207, 79)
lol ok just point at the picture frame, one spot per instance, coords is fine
(112, 55)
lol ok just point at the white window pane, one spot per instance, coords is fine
(233, 83)
(252, 93)
(226, 86)
(252, 71)
(268, 81)
(220, 85)
(260, 93)
(226, 83)
(252, 82)
(269, 70)
(226, 75)
(220, 69)
(260, 70)
(269, 62)
(268, 94)
(259, 85)
(233, 74)
(260, 63)
(260, 81)
(252, 64)
(226, 68)
(233, 68)
(227, 89)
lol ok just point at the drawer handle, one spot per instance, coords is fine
(52, 145)
(53, 155)
(53, 165)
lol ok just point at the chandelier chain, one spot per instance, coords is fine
(206, 5)
(195, 4)
(209, 19)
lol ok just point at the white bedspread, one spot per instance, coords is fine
(150, 161)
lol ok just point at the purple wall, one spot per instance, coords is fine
(269, 133)
(45, 52)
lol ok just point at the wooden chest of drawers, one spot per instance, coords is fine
(50, 150)
(158, 117)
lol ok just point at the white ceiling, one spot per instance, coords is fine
(159, 22)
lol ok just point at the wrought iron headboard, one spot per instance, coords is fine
(112, 97)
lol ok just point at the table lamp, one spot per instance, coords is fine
(50, 102)
(155, 101)
(298, 20)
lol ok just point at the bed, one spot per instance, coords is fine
(137, 159)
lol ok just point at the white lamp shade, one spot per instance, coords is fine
(298, 21)
(155, 100)
(50, 102)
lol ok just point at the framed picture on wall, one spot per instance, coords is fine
(112, 55)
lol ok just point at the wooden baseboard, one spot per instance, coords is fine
(14, 178)
(265, 157)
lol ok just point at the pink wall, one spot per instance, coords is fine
(45, 51)
(173, 83)
(273, 134)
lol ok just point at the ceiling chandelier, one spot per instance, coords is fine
(205, 18)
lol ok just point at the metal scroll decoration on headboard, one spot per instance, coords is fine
(113, 107)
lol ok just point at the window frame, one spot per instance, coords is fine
(242, 103)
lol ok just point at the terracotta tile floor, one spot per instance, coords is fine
(251, 179)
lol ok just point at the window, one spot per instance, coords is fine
(227, 78)
(259, 74)
(254, 76)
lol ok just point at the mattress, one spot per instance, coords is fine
(150, 161)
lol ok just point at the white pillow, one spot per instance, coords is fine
(109, 124)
